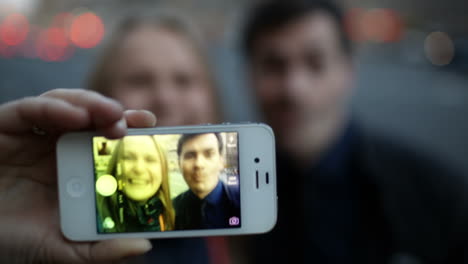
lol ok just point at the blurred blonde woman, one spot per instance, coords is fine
(158, 64)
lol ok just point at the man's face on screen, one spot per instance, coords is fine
(141, 168)
(201, 163)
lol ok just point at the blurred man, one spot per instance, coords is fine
(209, 203)
(345, 196)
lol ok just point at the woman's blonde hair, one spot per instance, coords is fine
(100, 79)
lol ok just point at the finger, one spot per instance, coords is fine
(115, 131)
(140, 118)
(48, 113)
(132, 118)
(104, 111)
(118, 249)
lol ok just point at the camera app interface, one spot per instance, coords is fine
(167, 182)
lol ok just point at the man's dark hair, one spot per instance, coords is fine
(186, 137)
(271, 15)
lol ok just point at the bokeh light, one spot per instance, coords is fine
(57, 36)
(87, 30)
(439, 48)
(52, 46)
(14, 29)
(382, 25)
(27, 49)
(352, 20)
(7, 51)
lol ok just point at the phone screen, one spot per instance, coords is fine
(165, 182)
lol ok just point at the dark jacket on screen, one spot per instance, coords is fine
(210, 212)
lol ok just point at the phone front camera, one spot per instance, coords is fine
(257, 160)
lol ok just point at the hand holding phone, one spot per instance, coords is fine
(168, 182)
(30, 229)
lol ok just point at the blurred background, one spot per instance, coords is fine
(411, 56)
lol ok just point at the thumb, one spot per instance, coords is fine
(118, 249)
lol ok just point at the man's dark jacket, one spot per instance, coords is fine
(407, 209)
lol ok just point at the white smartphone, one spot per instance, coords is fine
(168, 182)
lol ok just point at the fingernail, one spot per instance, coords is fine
(122, 124)
(132, 111)
(155, 119)
(144, 245)
(147, 113)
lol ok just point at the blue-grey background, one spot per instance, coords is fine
(398, 91)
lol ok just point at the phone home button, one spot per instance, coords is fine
(75, 187)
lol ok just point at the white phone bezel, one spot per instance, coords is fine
(77, 195)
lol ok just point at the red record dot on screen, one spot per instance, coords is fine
(14, 29)
(86, 30)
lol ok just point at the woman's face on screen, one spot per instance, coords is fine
(141, 168)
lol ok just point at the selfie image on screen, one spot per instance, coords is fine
(167, 182)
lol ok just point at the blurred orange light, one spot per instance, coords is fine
(52, 45)
(57, 54)
(14, 29)
(86, 30)
(27, 48)
(382, 25)
(63, 21)
(57, 36)
(7, 51)
(352, 22)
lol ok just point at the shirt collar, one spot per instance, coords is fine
(332, 166)
(338, 154)
(215, 196)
